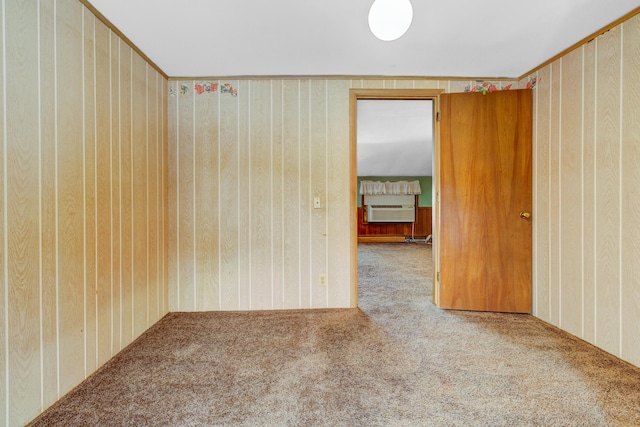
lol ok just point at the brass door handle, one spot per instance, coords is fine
(525, 215)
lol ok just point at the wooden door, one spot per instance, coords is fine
(485, 197)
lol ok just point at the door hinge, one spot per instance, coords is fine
(438, 116)
(438, 276)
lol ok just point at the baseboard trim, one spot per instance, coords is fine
(381, 239)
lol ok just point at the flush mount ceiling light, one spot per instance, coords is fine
(390, 19)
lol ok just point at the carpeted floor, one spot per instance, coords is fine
(396, 361)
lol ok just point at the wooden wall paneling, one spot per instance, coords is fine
(373, 84)
(534, 196)
(126, 191)
(356, 84)
(173, 127)
(261, 233)
(608, 191)
(90, 200)
(152, 195)
(338, 206)
(457, 86)
(277, 196)
(589, 185)
(542, 184)
(103, 192)
(116, 250)
(571, 189)
(48, 216)
(164, 173)
(291, 193)
(318, 169)
(4, 303)
(400, 84)
(228, 197)
(305, 196)
(630, 226)
(139, 165)
(555, 175)
(22, 210)
(207, 209)
(426, 84)
(245, 205)
(70, 196)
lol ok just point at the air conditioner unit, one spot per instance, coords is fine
(390, 213)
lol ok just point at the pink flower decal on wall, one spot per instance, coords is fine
(209, 87)
(227, 88)
(531, 84)
(486, 87)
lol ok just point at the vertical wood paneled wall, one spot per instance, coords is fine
(587, 192)
(243, 173)
(82, 197)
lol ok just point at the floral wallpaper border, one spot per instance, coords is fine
(211, 87)
(488, 86)
(202, 88)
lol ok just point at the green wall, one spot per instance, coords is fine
(425, 185)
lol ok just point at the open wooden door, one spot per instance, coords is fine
(485, 201)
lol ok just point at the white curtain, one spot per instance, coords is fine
(373, 188)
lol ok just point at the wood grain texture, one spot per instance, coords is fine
(70, 198)
(607, 156)
(139, 185)
(304, 196)
(228, 196)
(426, 84)
(207, 209)
(571, 190)
(277, 195)
(22, 210)
(291, 192)
(63, 155)
(318, 176)
(126, 191)
(152, 194)
(48, 205)
(260, 163)
(90, 200)
(541, 218)
(588, 180)
(164, 168)
(116, 251)
(172, 195)
(244, 194)
(555, 146)
(486, 252)
(338, 194)
(630, 154)
(4, 361)
(103, 193)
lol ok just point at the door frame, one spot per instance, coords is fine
(426, 94)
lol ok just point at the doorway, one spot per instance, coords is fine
(386, 95)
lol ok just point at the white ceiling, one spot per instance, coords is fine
(454, 38)
(395, 137)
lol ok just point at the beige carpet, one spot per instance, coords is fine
(396, 361)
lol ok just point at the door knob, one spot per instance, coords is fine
(525, 215)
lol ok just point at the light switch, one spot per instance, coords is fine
(316, 202)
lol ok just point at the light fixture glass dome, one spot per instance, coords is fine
(390, 19)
